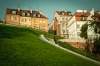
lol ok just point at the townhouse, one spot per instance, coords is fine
(59, 23)
(28, 18)
(76, 22)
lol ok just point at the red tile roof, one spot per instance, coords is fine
(9, 11)
(96, 17)
(65, 13)
(78, 15)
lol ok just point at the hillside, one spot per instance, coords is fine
(21, 46)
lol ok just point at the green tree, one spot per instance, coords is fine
(96, 26)
(96, 49)
(83, 30)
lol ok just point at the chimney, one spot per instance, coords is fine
(18, 8)
(31, 10)
(92, 11)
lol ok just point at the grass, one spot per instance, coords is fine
(20, 46)
(79, 51)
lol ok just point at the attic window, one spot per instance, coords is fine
(69, 13)
(34, 15)
(23, 14)
(28, 14)
(38, 15)
(82, 18)
(62, 12)
(13, 12)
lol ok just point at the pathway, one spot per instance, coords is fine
(52, 42)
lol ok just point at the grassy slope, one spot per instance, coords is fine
(23, 47)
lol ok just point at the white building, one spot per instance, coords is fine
(60, 23)
(76, 22)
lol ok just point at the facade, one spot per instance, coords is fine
(94, 16)
(60, 23)
(76, 22)
(28, 18)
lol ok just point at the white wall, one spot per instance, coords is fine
(72, 27)
(61, 21)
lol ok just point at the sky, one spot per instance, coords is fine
(49, 7)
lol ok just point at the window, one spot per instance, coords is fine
(34, 15)
(13, 12)
(63, 31)
(62, 18)
(40, 21)
(34, 27)
(82, 18)
(29, 19)
(63, 25)
(25, 20)
(23, 14)
(16, 18)
(67, 31)
(28, 14)
(38, 15)
(34, 20)
(43, 21)
(11, 18)
(78, 33)
(22, 20)
(78, 25)
(40, 27)
(66, 19)
(62, 12)
(69, 13)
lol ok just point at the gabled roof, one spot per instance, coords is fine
(79, 15)
(9, 11)
(65, 13)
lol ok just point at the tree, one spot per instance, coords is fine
(83, 30)
(95, 24)
(96, 49)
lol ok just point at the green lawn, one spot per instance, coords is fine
(79, 51)
(21, 46)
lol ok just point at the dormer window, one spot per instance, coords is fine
(34, 15)
(38, 15)
(82, 18)
(23, 14)
(28, 14)
(69, 13)
(62, 12)
(13, 12)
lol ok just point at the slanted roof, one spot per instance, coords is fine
(9, 11)
(65, 13)
(78, 15)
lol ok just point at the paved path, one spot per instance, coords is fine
(52, 42)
